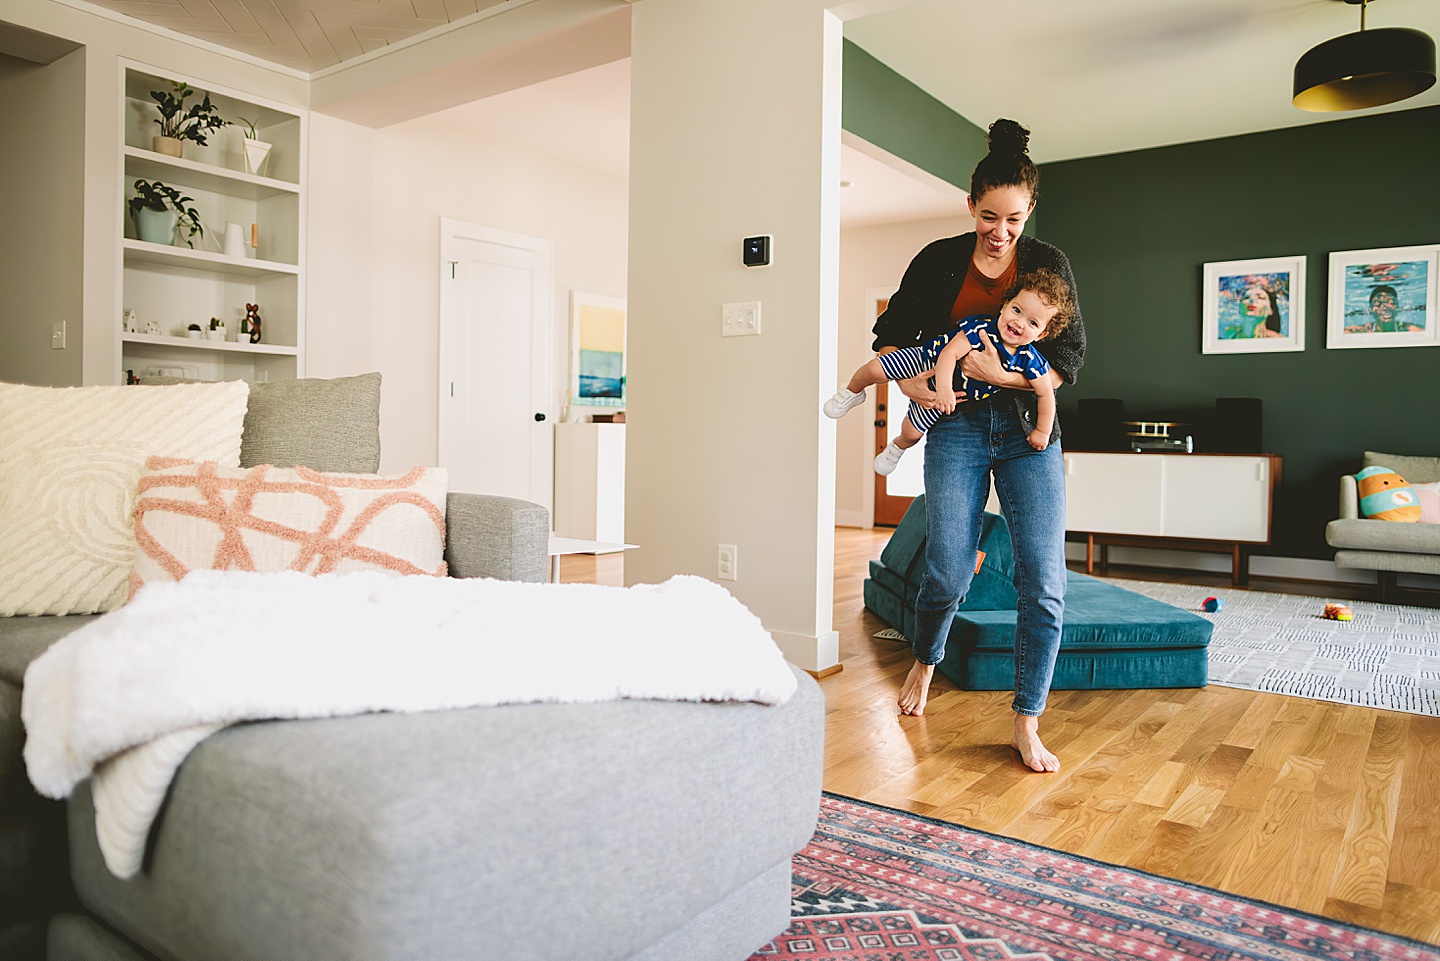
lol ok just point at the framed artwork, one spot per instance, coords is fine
(1253, 306)
(597, 350)
(1383, 298)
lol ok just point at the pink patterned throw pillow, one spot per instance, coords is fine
(200, 516)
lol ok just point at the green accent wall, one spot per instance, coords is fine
(882, 107)
(1139, 227)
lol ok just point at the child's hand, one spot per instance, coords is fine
(1039, 439)
(945, 399)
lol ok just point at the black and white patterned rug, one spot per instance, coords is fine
(1388, 657)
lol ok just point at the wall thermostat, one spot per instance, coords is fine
(757, 251)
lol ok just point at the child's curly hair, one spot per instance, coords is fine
(1054, 291)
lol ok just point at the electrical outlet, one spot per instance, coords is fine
(57, 335)
(742, 319)
(729, 559)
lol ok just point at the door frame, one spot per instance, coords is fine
(542, 402)
(886, 510)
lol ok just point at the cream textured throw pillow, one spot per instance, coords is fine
(70, 459)
(204, 517)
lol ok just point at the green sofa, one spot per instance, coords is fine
(1112, 638)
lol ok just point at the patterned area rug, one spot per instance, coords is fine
(876, 884)
(1388, 657)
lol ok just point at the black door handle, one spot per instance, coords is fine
(879, 423)
(880, 408)
(539, 417)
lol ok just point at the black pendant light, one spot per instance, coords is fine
(1365, 69)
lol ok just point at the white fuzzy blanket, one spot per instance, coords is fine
(127, 697)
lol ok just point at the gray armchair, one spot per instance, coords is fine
(1387, 547)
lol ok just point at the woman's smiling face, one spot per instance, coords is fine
(1000, 216)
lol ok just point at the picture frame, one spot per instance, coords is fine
(1253, 306)
(1384, 297)
(597, 350)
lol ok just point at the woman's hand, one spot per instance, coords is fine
(918, 390)
(984, 365)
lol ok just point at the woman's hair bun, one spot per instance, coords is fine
(1006, 137)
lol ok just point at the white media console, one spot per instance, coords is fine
(1207, 502)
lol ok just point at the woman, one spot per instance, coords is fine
(952, 279)
(1261, 311)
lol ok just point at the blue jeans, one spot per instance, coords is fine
(962, 451)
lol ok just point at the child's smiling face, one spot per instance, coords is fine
(1023, 319)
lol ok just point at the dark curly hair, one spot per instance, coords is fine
(1007, 164)
(1054, 291)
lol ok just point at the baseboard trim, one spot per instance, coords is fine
(809, 653)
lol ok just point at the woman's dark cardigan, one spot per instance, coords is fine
(920, 310)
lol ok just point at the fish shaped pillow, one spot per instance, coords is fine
(1386, 496)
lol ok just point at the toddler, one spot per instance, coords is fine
(1038, 306)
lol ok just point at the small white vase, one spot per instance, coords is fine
(216, 334)
(257, 156)
(195, 334)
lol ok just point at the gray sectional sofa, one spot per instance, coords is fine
(630, 829)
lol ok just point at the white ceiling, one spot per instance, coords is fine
(584, 119)
(1088, 77)
(1093, 77)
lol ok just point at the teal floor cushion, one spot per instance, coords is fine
(1112, 638)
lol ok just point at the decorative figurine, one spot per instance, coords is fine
(252, 321)
(152, 328)
(1212, 604)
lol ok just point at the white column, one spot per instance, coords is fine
(735, 131)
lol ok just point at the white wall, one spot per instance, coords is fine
(376, 200)
(42, 187)
(735, 130)
(106, 42)
(870, 257)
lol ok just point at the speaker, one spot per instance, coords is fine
(1235, 426)
(1098, 424)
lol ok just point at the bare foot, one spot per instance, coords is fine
(1026, 740)
(916, 689)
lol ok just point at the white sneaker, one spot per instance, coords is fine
(844, 401)
(888, 459)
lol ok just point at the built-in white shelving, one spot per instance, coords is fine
(173, 286)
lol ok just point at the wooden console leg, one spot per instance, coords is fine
(1388, 582)
(1089, 553)
(1239, 566)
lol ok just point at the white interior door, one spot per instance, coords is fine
(496, 316)
(908, 478)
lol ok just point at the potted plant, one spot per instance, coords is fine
(194, 332)
(158, 209)
(179, 123)
(257, 151)
(217, 329)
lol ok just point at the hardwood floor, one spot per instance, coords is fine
(1324, 807)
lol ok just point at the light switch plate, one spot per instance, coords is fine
(740, 320)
